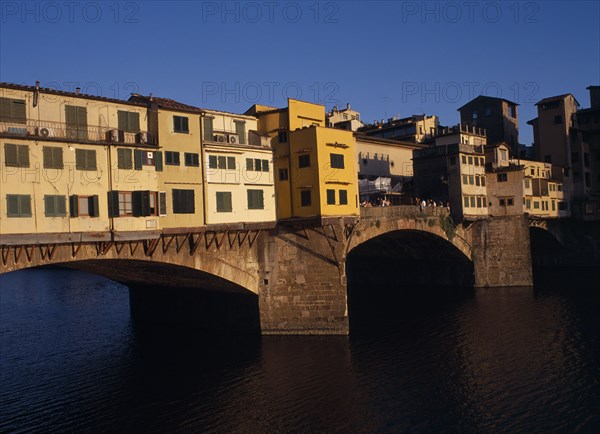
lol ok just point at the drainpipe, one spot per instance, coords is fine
(203, 168)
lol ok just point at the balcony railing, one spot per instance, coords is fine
(62, 131)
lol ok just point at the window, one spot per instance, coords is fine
(303, 161)
(477, 161)
(536, 204)
(502, 177)
(55, 206)
(478, 202)
(512, 111)
(471, 180)
(553, 205)
(183, 201)
(85, 159)
(124, 158)
(180, 124)
(343, 197)
(53, 157)
(12, 110)
(16, 155)
(222, 162)
(464, 159)
(283, 174)
(172, 158)
(212, 162)
(125, 203)
(472, 199)
(470, 159)
(466, 201)
(83, 206)
(76, 120)
(528, 203)
(129, 121)
(330, 197)
(483, 181)
(502, 202)
(527, 183)
(148, 158)
(305, 198)
(240, 130)
(256, 164)
(256, 199)
(477, 181)
(475, 114)
(503, 155)
(224, 201)
(337, 161)
(282, 137)
(162, 203)
(191, 159)
(510, 201)
(207, 124)
(18, 205)
(465, 179)
(230, 163)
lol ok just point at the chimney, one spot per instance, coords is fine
(37, 85)
(77, 90)
(347, 106)
(594, 96)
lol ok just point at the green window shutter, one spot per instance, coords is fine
(231, 163)
(145, 203)
(330, 197)
(134, 122)
(113, 204)
(265, 165)
(137, 159)
(208, 128)
(122, 115)
(23, 155)
(93, 206)
(162, 203)
(18, 112)
(61, 206)
(212, 161)
(80, 159)
(25, 206)
(158, 161)
(240, 130)
(343, 197)
(10, 155)
(136, 203)
(57, 158)
(74, 205)
(5, 110)
(221, 162)
(49, 210)
(12, 205)
(47, 154)
(249, 164)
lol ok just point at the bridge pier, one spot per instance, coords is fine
(501, 252)
(304, 285)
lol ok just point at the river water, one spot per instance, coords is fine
(509, 360)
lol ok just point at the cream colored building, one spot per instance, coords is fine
(344, 119)
(238, 163)
(180, 181)
(59, 157)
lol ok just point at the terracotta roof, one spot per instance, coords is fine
(63, 93)
(556, 98)
(167, 103)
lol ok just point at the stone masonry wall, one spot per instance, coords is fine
(502, 252)
(304, 289)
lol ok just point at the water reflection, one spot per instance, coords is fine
(487, 361)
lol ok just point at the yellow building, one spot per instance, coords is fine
(315, 166)
(238, 163)
(180, 182)
(61, 152)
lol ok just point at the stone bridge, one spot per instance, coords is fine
(293, 272)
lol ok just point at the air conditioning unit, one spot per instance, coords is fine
(233, 139)
(143, 137)
(219, 138)
(113, 135)
(45, 132)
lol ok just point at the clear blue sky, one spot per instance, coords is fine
(385, 58)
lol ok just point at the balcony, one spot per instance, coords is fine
(59, 131)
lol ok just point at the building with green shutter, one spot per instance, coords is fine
(72, 163)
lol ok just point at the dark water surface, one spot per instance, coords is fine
(517, 360)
